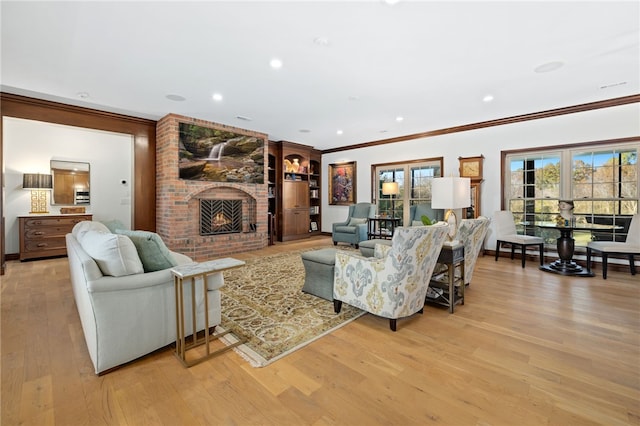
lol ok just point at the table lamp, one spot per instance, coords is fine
(451, 193)
(392, 189)
(39, 184)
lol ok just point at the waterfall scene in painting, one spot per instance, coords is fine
(220, 156)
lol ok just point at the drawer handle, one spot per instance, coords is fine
(39, 233)
(42, 245)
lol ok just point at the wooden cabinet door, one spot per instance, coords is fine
(295, 195)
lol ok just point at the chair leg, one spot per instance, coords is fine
(335, 243)
(337, 305)
(632, 265)
(392, 324)
(604, 265)
(523, 250)
(541, 254)
(497, 249)
(588, 259)
(513, 249)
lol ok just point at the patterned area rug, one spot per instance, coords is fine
(263, 304)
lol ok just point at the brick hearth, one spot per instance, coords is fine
(177, 217)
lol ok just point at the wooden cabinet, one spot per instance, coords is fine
(297, 190)
(44, 235)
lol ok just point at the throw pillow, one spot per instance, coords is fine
(357, 221)
(154, 254)
(115, 254)
(81, 228)
(114, 225)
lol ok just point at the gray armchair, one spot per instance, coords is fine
(416, 211)
(354, 229)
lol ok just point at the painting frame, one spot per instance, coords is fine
(342, 183)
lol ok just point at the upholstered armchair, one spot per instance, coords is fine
(418, 210)
(393, 284)
(354, 229)
(471, 232)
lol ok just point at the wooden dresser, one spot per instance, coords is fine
(44, 235)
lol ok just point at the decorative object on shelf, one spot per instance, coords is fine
(451, 193)
(342, 183)
(471, 167)
(392, 189)
(39, 184)
(566, 212)
(314, 226)
(72, 210)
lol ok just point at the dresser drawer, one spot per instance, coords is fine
(67, 222)
(45, 244)
(45, 232)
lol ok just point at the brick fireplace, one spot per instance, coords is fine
(178, 219)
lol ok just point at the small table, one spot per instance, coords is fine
(193, 271)
(565, 265)
(382, 227)
(453, 257)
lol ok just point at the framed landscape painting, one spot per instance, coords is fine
(342, 183)
(219, 155)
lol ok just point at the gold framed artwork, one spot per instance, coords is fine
(471, 167)
(342, 183)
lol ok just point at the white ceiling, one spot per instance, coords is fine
(431, 62)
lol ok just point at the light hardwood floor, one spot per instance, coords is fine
(528, 348)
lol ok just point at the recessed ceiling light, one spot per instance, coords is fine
(487, 98)
(391, 2)
(549, 66)
(339, 132)
(275, 63)
(82, 95)
(243, 118)
(217, 97)
(399, 118)
(321, 41)
(176, 98)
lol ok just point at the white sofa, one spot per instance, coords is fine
(125, 317)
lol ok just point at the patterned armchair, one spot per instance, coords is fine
(393, 284)
(471, 232)
(354, 229)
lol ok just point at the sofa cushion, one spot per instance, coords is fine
(85, 226)
(115, 254)
(357, 221)
(114, 225)
(153, 253)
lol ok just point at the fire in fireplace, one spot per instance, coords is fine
(227, 216)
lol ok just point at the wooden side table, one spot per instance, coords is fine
(194, 271)
(453, 257)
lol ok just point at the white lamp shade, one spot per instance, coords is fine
(450, 193)
(390, 188)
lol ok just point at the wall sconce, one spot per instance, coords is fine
(451, 193)
(39, 184)
(392, 189)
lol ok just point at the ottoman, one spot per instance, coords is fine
(367, 248)
(319, 266)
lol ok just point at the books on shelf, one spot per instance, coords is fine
(314, 210)
(313, 193)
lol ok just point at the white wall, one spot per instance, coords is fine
(596, 125)
(30, 145)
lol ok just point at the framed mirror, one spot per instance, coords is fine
(70, 183)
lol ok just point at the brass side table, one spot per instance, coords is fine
(192, 272)
(453, 257)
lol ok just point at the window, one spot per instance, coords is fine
(602, 180)
(414, 183)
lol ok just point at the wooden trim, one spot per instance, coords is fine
(498, 122)
(142, 130)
